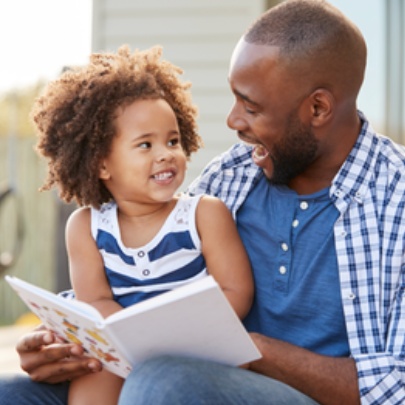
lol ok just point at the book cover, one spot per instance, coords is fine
(194, 320)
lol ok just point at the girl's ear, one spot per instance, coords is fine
(104, 174)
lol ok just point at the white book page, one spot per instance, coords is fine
(201, 324)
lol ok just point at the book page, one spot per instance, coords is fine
(197, 321)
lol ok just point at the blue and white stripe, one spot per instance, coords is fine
(172, 258)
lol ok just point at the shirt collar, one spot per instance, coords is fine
(239, 155)
(352, 180)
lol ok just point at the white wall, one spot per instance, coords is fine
(198, 36)
(372, 25)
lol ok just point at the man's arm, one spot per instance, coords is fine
(327, 380)
(47, 361)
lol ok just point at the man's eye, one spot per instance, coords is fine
(144, 145)
(249, 111)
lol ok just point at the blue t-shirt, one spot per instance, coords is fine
(292, 252)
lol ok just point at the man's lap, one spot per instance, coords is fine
(19, 389)
(178, 380)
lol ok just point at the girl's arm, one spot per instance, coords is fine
(86, 265)
(224, 253)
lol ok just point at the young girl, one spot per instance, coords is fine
(118, 134)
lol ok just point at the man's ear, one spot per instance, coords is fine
(104, 174)
(322, 105)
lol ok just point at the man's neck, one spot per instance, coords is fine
(323, 170)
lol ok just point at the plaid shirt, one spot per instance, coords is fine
(369, 192)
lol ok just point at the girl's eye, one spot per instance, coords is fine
(174, 142)
(144, 145)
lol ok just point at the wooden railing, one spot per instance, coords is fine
(36, 262)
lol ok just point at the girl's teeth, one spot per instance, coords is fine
(163, 176)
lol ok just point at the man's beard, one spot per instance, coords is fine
(293, 154)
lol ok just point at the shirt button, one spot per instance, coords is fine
(284, 246)
(283, 270)
(343, 234)
(146, 272)
(358, 194)
(295, 223)
(338, 193)
(141, 253)
(304, 205)
(351, 296)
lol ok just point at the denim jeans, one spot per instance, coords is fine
(21, 390)
(168, 380)
(175, 380)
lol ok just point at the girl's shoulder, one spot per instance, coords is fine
(212, 217)
(78, 221)
(79, 215)
(209, 202)
(210, 207)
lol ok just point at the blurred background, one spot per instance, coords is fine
(39, 39)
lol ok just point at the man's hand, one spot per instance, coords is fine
(328, 380)
(46, 360)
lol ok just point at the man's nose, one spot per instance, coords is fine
(235, 120)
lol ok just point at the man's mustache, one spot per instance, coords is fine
(242, 135)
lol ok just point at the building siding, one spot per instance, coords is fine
(199, 37)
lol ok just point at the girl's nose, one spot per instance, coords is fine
(164, 154)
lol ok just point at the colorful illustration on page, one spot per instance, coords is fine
(69, 326)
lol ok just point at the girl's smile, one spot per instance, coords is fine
(146, 164)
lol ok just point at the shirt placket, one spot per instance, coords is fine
(283, 277)
(143, 264)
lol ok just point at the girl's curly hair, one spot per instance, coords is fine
(74, 117)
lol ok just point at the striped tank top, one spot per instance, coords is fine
(172, 258)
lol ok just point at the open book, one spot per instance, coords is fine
(194, 320)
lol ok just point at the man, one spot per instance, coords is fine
(318, 202)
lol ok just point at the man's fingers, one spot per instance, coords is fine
(46, 360)
(30, 360)
(65, 370)
(34, 341)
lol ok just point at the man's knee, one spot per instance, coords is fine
(170, 380)
(169, 371)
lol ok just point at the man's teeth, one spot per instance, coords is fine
(163, 176)
(260, 152)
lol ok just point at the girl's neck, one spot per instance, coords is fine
(142, 212)
(138, 227)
